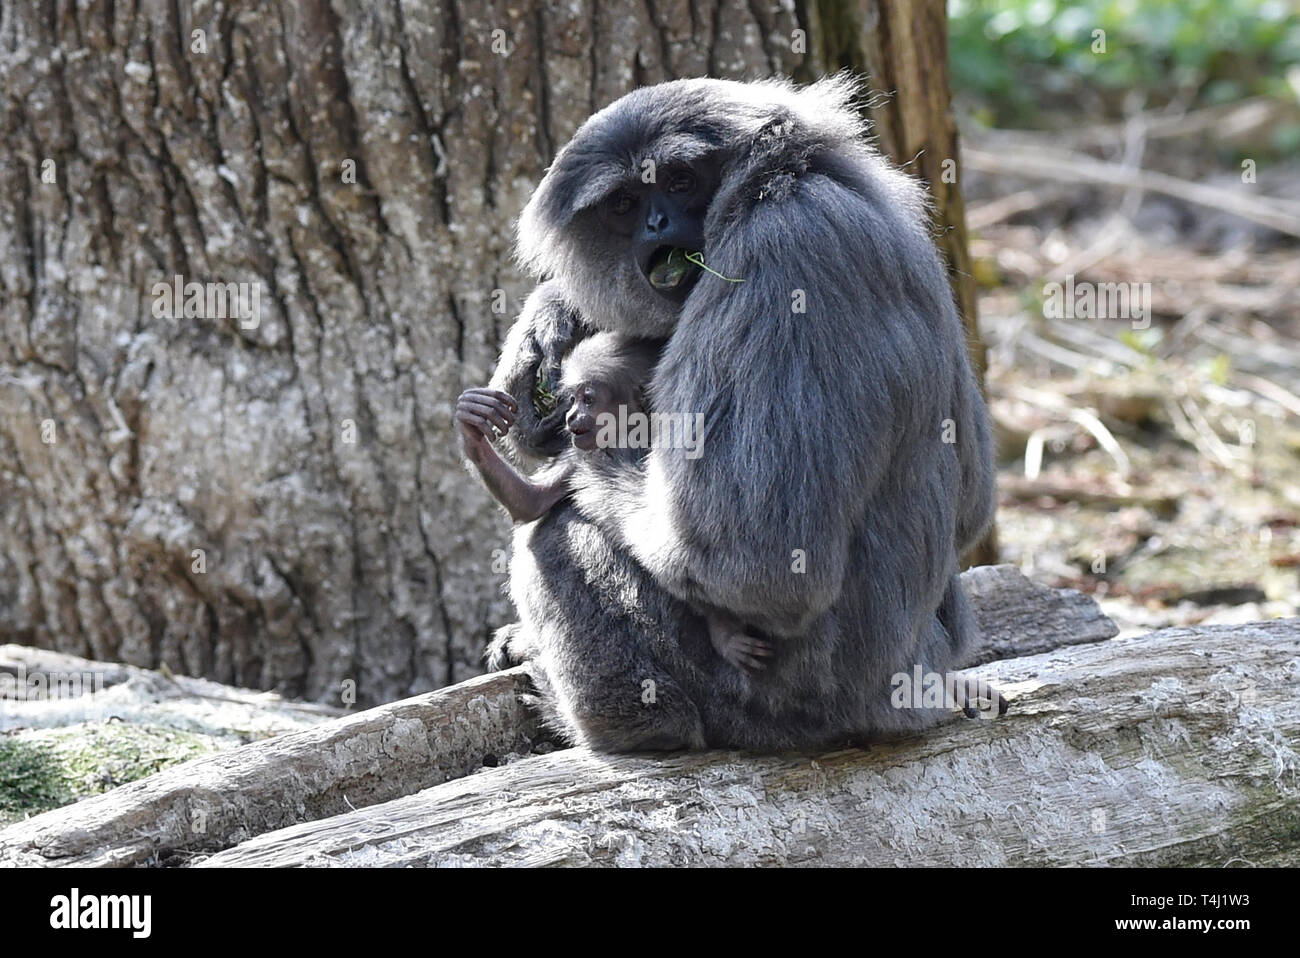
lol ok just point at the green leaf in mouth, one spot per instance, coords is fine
(698, 259)
(668, 271)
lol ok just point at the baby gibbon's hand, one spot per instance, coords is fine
(485, 414)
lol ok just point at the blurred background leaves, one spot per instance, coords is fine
(1017, 61)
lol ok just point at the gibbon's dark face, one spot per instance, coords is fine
(631, 195)
(581, 417)
(590, 401)
(661, 222)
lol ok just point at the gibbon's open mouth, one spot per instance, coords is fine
(669, 269)
(584, 439)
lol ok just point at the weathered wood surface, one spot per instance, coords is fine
(1019, 617)
(69, 690)
(213, 802)
(1176, 748)
(377, 755)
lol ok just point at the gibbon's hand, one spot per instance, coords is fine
(485, 415)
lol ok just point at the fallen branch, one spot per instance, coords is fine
(81, 690)
(1089, 493)
(1241, 118)
(212, 802)
(1048, 164)
(983, 215)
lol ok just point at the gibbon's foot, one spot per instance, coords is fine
(748, 653)
(988, 693)
(740, 646)
(499, 654)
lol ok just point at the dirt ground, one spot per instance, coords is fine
(1152, 460)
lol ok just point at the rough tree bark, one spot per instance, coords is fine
(282, 505)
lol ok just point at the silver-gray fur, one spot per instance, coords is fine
(531, 356)
(623, 363)
(847, 452)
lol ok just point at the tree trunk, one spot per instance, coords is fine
(275, 499)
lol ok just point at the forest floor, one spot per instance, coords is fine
(1150, 458)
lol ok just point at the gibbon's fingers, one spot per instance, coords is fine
(478, 424)
(505, 398)
(507, 410)
(485, 394)
(502, 420)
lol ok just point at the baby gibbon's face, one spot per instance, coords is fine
(590, 399)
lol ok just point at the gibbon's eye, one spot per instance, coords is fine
(681, 181)
(589, 396)
(621, 203)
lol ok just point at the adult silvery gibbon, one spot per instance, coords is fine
(846, 458)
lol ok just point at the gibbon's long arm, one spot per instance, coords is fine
(810, 375)
(531, 354)
(525, 499)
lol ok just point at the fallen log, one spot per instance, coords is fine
(1176, 748)
(1042, 162)
(398, 749)
(215, 801)
(41, 688)
(1018, 617)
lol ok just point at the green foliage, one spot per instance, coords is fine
(698, 259)
(1219, 369)
(1142, 341)
(31, 779)
(42, 769)
(544, 398)
(1012, 55)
